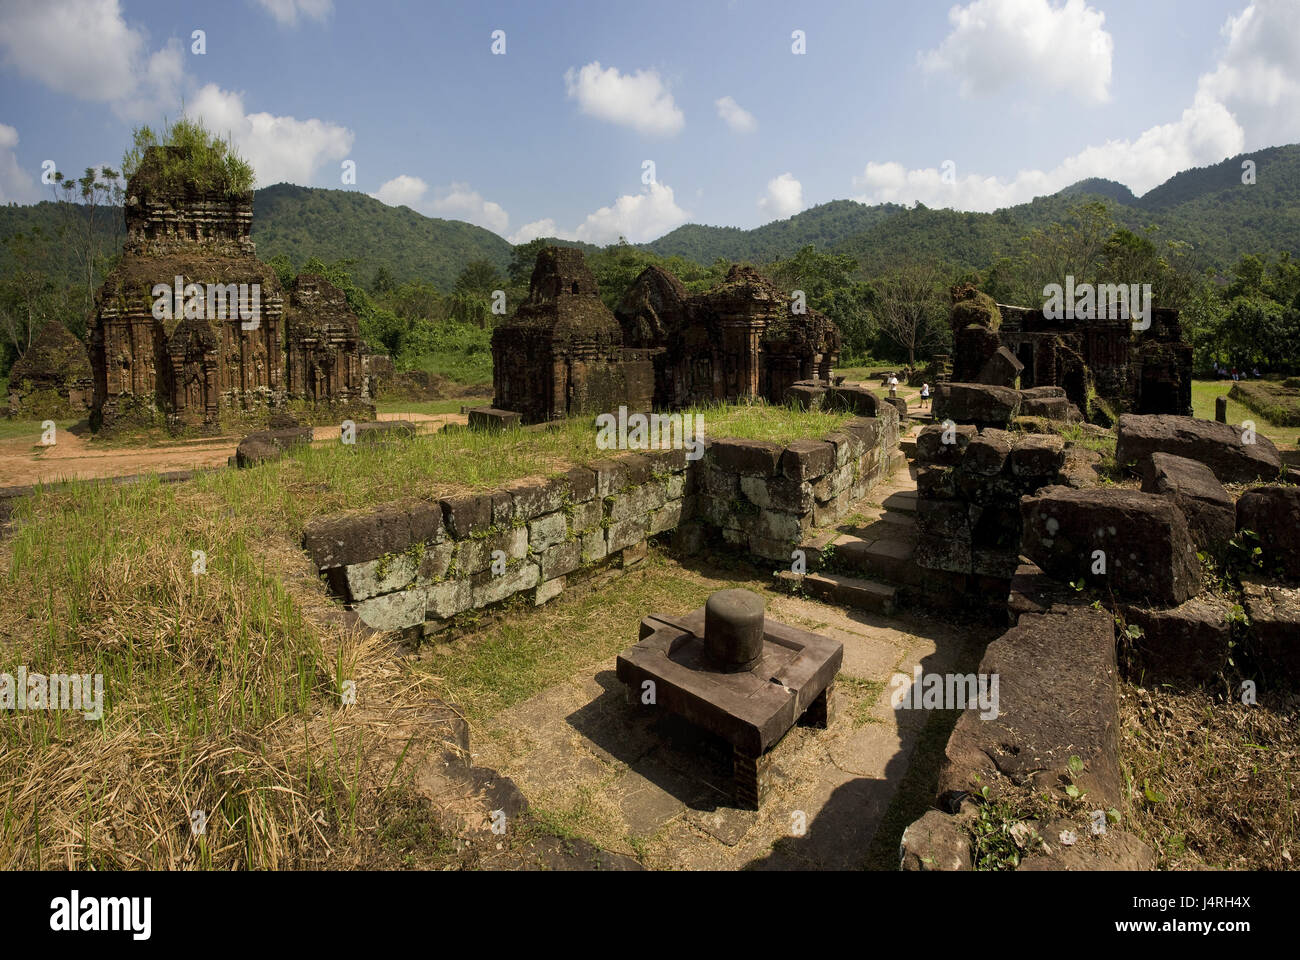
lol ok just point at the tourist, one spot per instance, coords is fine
(925, 394)
(893, 385)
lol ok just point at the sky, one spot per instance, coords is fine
(595, 120)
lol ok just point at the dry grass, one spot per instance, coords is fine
(1212, 782)
(221, 694)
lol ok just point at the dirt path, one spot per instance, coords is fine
(24, 461)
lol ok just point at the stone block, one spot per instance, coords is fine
(1037, 456)
(746, 457)
(1273, 513)
(1219, 446)
(394, 611)
(807, 459)
(1209, 509)
(1146, 545)
(490, 418)
(932, 448)
(980, 404)
(547, 530)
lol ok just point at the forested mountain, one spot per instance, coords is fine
(1210, 208)
(304, 222)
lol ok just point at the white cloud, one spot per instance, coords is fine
(1249, 100)
(784, 197)
(1258, 77)
(85, 49)
(279, 148)
(538, 228)
(639, 217)
(402, 191)
(1206, 133)
(995, 44)
(638, 100)
(736, 117)
(16, 184)
(287, 12)
(455, 202)
(460, 202)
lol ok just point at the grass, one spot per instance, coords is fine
(13, 429)
(223, 689)
(1270, 400)
(1212, 781)
(506, 662)
(1204, 393)
(432, 407)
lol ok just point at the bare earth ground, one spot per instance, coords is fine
(24, 461)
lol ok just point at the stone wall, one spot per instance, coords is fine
(416, 564)
(765, 498)
(969, 486)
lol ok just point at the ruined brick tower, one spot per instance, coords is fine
(562, 352)
(216, 343)
(739, 341)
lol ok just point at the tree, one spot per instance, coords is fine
(818, 275)
(84, 205)
(522, 260)
(28, 295)
(471, 298)
(910, 308)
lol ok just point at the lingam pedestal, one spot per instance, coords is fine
(728, 669)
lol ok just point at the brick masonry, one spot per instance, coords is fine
(416, 564)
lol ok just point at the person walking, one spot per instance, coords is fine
(893, 385)
(925, 395)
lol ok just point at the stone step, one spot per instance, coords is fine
(908, 448)
(902, 501)
(897, 461)
(845, 590)
(889, 525)
(888, 560)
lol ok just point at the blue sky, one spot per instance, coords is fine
(1022, 97)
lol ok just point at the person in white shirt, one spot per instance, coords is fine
(925, 394)
(893, 386)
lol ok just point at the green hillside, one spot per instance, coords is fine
(1208, 208)
(302, 222)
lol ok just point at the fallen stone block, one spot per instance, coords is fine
(1273, 513)
(980, 404)
(267, 445)
(1274, 638)
(379, 431)
(805, 396)
(490, 418)
(1187, 643)
(1138, 543)
(1193, 488)
(1001, 369)
(899, 404)
(1221, 447)
(1053, 408)
(1057, 698)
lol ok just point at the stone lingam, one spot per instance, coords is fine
(728, 669)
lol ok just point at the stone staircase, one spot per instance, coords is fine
(865, 561)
